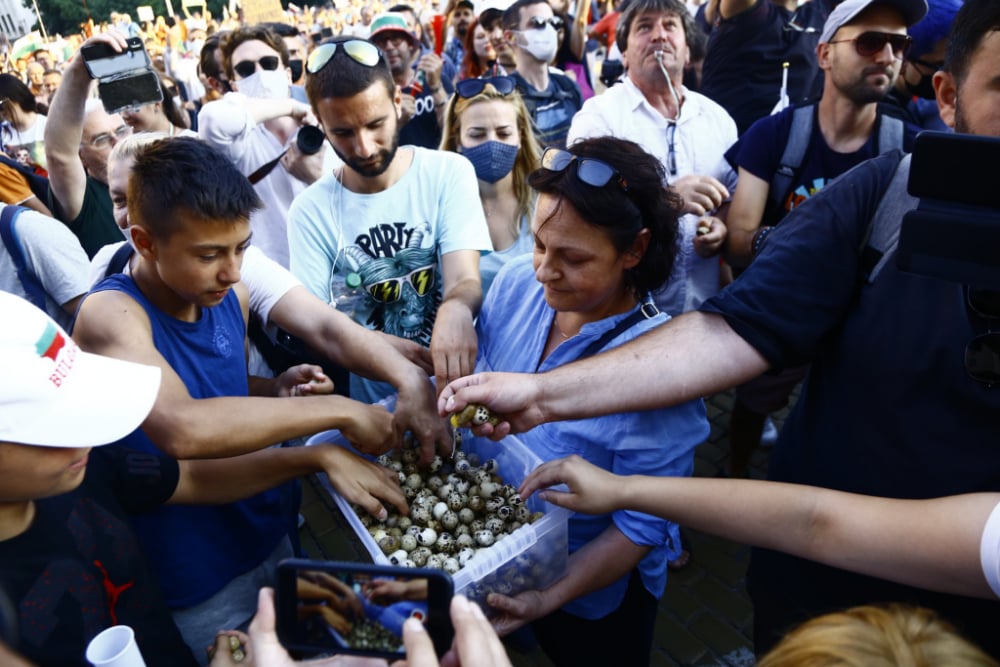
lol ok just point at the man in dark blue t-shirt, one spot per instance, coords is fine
(847, 128)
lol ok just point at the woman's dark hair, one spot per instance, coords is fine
(170, 110)
(625, 206)
(12, 89)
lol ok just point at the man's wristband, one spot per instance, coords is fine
(758, 240)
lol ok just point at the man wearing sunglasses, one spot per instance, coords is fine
(898, 402)
(404, 222)
(786, 158)
(255, 126)
(685, 130)
(552, 98)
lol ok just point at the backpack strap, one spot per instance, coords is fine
(29, 281)
(890, 133)
(799, 136)
(119, 260)
(882, 235)
(645, 312)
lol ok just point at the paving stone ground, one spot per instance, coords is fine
(705, 618)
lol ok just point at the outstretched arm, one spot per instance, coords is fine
(693, 355)
(880, 537)
(113, 324)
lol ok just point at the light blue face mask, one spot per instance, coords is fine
(492, 160)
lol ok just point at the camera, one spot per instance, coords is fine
(954, 232)
(328, 607)
(124, 79)
(309, 139)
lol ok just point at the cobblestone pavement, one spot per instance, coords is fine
(705, 616)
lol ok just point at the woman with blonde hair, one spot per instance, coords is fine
(874, 636)
(486, 121)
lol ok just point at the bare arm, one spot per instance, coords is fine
(216, 481)
(368, 353)
(35, 204)
(693, 355)
(453, 341)
(745, 213)
(113, 324)
(880, 537)
(578, 36)
(64, 130)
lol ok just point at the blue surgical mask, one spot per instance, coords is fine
(492, 160)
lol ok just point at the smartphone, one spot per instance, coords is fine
(124, 79)
(331, 607)
(955, 229)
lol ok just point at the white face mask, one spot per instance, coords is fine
(272, 85)
(541, 44)
(194, 46)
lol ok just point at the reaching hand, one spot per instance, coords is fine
(702, 194)
(517, 611)
(369, 429)
(592, 490)
(513, 397)
(304, 380)
(708, 243)
(362, 482)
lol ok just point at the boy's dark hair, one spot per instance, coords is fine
(282, 29)
(624, 206)
(210, 67)
(249, 33)
(974, 20)
(638, 7)
(12, 89)
(347, 77)
(185, 173)
(512, 15)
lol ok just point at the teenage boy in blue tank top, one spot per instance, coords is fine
(184, 310)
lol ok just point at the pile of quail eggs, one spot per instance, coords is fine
(457, 508)
(371, 635)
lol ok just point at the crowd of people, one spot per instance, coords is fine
(586, 218)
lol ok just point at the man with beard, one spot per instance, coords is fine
(399, 231)
(460, 19)
(256, 127)
(782, 163)
(420, 76)
(889, 408)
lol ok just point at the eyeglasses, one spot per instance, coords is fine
(982, 354)
(923, 63)
(591, 171)
(539, 23)
(467, 88)
(362, 52)
(106, 139)
(867, 44)
(247, 68)
(388, 291)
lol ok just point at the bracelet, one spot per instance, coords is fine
(758, 240)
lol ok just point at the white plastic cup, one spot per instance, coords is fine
(115, 647)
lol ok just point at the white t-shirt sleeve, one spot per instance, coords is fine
(989, 550)
(462, 224)
(313, 238)
(54, 255)
(99, 264)
(266, 280)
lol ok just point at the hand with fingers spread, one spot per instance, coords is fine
(362, 482)
(592, 490)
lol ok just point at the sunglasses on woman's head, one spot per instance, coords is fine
(247, 68)
(471, 87)
(867, 44)
(591, 171)
(360, 51)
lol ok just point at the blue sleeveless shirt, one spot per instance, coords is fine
(195, 551)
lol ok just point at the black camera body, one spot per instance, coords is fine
(954, 233)
(124, 79)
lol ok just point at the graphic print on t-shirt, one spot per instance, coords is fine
(401, 280)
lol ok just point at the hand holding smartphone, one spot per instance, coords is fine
(327, 607)
(124, 79)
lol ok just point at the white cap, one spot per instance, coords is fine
(53, 394)
(848, 10)
(498, 5)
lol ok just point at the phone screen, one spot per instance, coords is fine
(103, 61)
(328, 608)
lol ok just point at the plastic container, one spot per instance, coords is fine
(530, 558)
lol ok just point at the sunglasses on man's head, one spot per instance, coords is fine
(867, 44)
(360, 51)
(467, 88)
(539, 23)
(247, 68)
(982, 354)
(591, 171)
